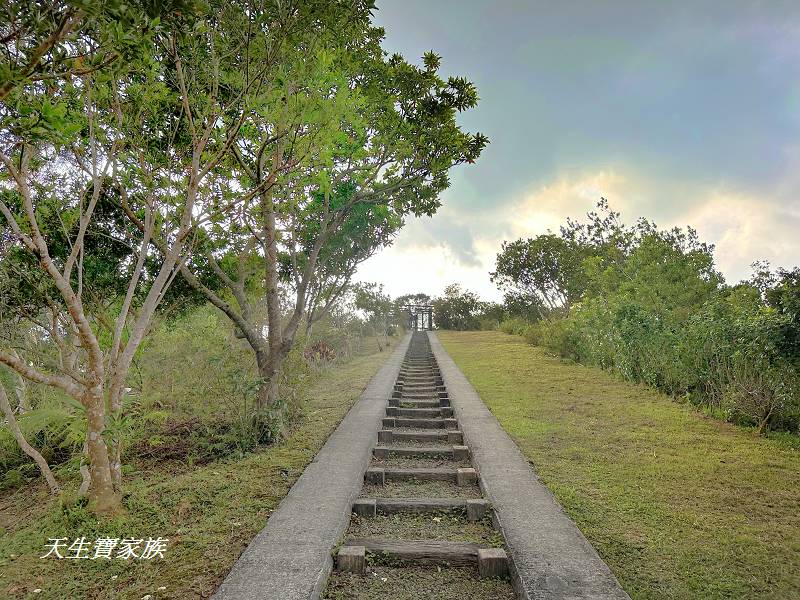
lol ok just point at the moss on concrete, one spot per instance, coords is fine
(446, 526)
(416, 583)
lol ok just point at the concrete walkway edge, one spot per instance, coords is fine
(551, 559)
(290, 559)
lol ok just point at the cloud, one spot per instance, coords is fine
(571, 195)
(408, 268)
(460, 245)
(685, 116)
(745, 229)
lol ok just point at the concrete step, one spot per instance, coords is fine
(417, 389)
(417, 394)
(420, 423)
(475, 509)
(414, 403)
(380, 475)
(419, 413)
(390, 436)
(491, 562)
(450, 452)
(420, 380)
(417, 375)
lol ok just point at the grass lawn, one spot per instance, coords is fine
(209, 513)
(679, 505)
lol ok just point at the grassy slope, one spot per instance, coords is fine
(208, 513)
(678, 505)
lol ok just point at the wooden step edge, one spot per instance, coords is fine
(453, 452)
(450, 436)
(474, 508)
(445, 423)
(425, 552)
(491, 562)
(404, 403)
(461, 476)
(385, 452)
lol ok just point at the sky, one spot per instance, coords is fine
(684, 113)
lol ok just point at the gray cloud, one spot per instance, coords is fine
(694, 107)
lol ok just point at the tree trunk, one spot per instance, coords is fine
(116, 465)
(763, 422)
(267, 392)
(21, 392)
(26, 447)
(101, 493)
(86, 477)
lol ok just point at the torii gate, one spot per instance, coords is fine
(420, 317)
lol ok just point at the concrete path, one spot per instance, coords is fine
(420, 443)
(290, 558)
(550, 557)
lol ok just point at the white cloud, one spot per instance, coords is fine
(461, 246)
(408, 268)
(547, 207)
(745, 229)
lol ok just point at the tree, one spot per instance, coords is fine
(457, 309)
(402, 315)
(377, 306)
(545, 271)
(369, 228)
(11, 421)
(44, 42)
(524, 306)
(101, 169)
(338, 152)
(784, 297)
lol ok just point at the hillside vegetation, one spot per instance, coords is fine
(680, 506)
(192, 475)
(650, 304)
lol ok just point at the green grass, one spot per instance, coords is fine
(680, 505)
(209, 513)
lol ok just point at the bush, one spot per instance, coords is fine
(653, 308)
(758, 393)
(515, 326)
(457, 309)
(725, 356)
(488, 324)
(54, 427)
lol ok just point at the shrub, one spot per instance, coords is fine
(54, 427)
(319, 352)
(514, 326)
(655, 310)
(758, 393)
(488, 323)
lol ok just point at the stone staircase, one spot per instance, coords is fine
(421, 448)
